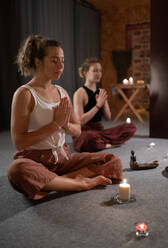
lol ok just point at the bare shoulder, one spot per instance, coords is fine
(22, 98)
(80, 92)
(63, 90)
(22, 92)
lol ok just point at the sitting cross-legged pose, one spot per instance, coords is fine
(41, 115)
(90, 105)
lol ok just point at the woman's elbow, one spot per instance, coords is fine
(107, 117)
(78, 131)
(19, 144)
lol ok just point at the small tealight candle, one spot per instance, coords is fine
(125, 81)
(140, 81)
(131, 80)
(128, 120)
(152, 144)
(124, 190)
(142, 229)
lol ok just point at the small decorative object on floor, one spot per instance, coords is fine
(151, 145)
(141, 166)
(117, 200)
(128, 120)
(142, 230)
(124, 190)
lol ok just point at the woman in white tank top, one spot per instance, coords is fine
(41, 115)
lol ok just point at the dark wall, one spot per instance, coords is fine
(58, 19)
(9, 43)
(159, 70)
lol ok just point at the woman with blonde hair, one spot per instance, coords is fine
(41, 115)
(90, 105)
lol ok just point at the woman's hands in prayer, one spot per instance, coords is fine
(101, 97)
(62, 113)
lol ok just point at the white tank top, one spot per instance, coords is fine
(42, 115)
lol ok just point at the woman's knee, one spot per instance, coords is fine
(16, 169)
(113, 158)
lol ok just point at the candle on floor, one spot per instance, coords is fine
(124, 190)
(128, 120)
(152, 144)
(125, 81)
(142, 229)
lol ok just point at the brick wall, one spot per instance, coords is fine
(114, 18)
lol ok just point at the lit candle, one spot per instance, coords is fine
(131, 80)
(152, 144)
(125, 81)
(128, 120)
(140, 81)
(124, 190)
(142, 229)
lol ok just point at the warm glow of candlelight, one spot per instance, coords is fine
(128, 120)
(131, 80)
(124, 180)
(125, 81)
(141, 227)
(124, 190)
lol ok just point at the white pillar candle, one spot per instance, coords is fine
(131, 80)
(125, 81)
(124, 190)
(128, 120)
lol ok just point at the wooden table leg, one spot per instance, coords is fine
(128, 103)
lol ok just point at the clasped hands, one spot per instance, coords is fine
(62, 113)
(101, 98)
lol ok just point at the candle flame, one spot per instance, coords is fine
(128, 120)
(142, 226)
(124, 180)
(125, 81)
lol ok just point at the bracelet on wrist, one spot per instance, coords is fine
(98, 107)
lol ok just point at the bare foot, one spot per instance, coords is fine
(111, 146)
(89, 183)
(108, 146)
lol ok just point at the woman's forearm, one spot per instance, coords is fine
(86, 117)
(106, 111)
(73, 129)
(27, 139)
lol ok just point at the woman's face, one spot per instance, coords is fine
(52, 65)
(94, 73)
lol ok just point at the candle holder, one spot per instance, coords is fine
(142, 230)
(117, 200)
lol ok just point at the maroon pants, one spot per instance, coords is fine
(94, 137)
(32, 170)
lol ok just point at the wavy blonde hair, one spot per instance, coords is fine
(86, 65)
